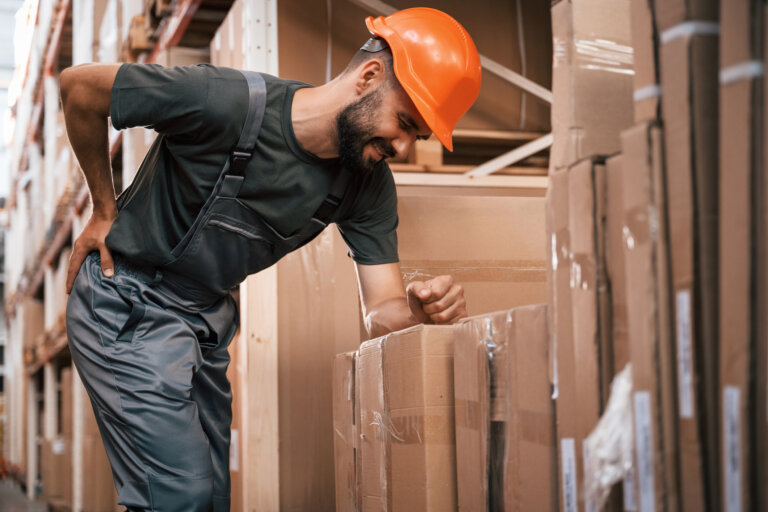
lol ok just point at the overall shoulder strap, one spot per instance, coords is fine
(331, 203)
(257, 101)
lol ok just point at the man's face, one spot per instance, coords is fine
(382, 124)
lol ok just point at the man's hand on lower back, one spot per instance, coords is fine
(91, 239)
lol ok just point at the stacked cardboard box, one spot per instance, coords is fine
(505, 449)
(687, 66)
(591, 79)
(649, 325)
(404, 442)
(742, 255)
(405, 413)
(592, 89)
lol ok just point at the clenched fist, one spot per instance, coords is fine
(437, 301)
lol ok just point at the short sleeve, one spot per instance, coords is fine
(168, 100)
(371, 230)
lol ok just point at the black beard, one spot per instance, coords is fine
(354, 130)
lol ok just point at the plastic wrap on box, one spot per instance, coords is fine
(608, 448)
(592, 79)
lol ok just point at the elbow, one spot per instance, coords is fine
(67, 80)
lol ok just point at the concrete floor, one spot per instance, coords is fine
(13, 500)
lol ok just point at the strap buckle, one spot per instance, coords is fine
(238, 161)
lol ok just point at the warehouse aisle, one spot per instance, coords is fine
(13, 500)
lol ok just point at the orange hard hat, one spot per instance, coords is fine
(435, 61)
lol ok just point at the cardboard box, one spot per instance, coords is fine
(66, 402)
(742, 313)
(530, 468)
(645, 42)
(591, 79)
(32, 314)
(56, 469)
(407, 453)
(493, 246)
(614, 261)
(98, 491)
(346, 432)
(689, 109)
(650, 336)
(561, 330)
(585, 368)
(481, 384)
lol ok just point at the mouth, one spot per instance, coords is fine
(379, 152)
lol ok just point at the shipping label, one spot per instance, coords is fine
(568, 455)
(684, 353)
(732, 448)
(644, 447)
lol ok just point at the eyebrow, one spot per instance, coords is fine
(411, 123)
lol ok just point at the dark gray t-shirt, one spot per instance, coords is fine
(199, 112)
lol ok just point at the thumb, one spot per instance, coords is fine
(107, 265)
(417, 294)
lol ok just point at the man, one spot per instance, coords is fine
(246, 168)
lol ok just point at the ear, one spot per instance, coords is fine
(369, 75)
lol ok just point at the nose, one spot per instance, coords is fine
(402, 144)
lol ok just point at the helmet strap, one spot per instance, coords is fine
(374, 45)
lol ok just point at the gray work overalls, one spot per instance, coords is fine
(151, 344)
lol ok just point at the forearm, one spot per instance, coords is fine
(86, 109)
(389, 316)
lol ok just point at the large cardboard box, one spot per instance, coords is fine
(581, 311)
(689, 109)
(346, 432)
(98, 493)
(591, 79)
(649, 323)
(742, 253)
(407, 456)
(56, 469)
(530, 461)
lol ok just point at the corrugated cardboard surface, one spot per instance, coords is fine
(561, 322)
(649, 324)
(742, 178)
(406, 407)
(591, 79)
(346, 436)
(614, 256)
(672, 12)
(493, 246)
(98, 491)
(66, 401)
(645, 44)
(531, 454)
(56, 469)
(689, 108)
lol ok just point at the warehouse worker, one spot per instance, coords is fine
(246, 168)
